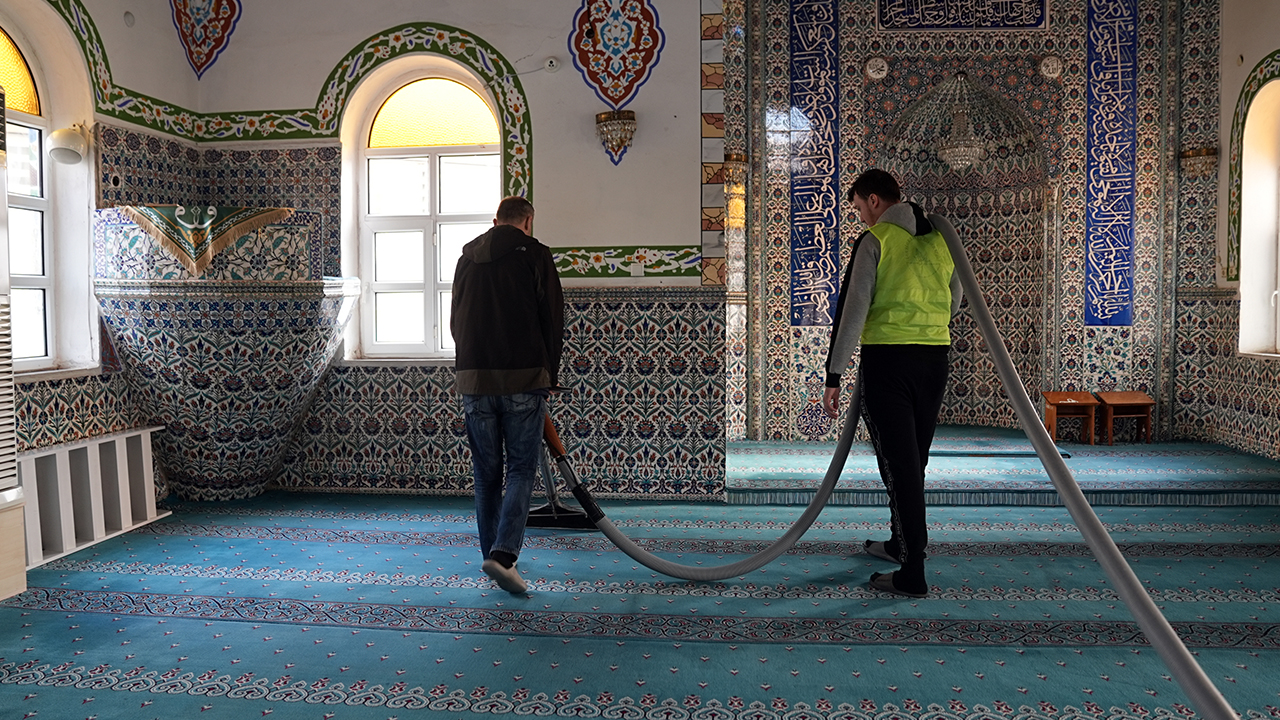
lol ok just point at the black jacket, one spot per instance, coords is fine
(508, 315)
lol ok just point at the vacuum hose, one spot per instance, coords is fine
(1190, 677)
(718, 572)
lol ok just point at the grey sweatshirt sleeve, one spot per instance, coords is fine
(957, 292)
(857, 301)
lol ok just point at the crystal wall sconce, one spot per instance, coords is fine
(616, 128)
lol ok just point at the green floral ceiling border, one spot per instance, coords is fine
(617, 262)
(322, 121)
(1264, 72)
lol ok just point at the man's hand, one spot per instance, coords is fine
(831, 402)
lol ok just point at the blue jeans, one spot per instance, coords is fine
(516, 422)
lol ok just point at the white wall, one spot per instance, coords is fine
(282, 51)
(147, 58)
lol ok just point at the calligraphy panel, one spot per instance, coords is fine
(815, 180)
(1111, 116)
(961, 14)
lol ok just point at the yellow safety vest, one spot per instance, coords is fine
(912, 303)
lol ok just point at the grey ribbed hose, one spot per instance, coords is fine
(1186, 671)
(1190, 677)
(742, 567)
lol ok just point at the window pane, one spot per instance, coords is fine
(15, 78)
(452, 237)
(399, 186)
(26, 242)
(27, 310)
(24, 160)
(397, 256)
(398, 317)
(470, 184)
(433, 112)
(446, 313)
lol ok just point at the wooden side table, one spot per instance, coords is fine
(1126, 404)
(1070, 404)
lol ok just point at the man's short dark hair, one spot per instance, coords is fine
(876, 182)
(513, 210)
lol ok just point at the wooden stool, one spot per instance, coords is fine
(1069, 404)
(1126, 404)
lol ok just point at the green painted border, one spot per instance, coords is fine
(1264, 72)
(322, 120)
(616, 262)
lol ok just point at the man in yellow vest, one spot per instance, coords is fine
(897, 297)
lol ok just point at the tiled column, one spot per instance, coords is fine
(713, 144)
(735, 174)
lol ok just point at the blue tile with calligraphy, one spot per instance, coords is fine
(1111, 116)
(815, 179)
(961, 14)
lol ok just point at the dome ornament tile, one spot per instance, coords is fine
(963, 127)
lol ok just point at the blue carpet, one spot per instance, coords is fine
(312, 606)
(986, 466)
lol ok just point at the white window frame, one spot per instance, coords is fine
(438, 341)
(71, 310)
(46, 282)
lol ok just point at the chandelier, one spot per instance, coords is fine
(615, 128)
(960, 149)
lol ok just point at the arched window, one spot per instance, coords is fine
(30, 262)
(1259, 227)
(431, 182)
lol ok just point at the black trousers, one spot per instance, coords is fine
(902, 391)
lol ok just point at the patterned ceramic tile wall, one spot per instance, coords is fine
(646, 420)
(1198, 305)
(228, 367)
(1222, 397)
(307, 179)
(283, 250)
(141, 168)
(1084, 358)
(137, 168)
(1228, 398)
(49, 412)
(998, 209)
(155, 171)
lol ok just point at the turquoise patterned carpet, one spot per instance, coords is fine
(314, 606)
(992, 466)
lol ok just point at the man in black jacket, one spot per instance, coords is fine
(508, 325)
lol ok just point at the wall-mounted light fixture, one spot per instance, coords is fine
(68, 145)
(1199, 162)
(736, 169)
(616, 128)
